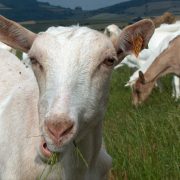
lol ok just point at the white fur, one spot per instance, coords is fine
(24, 56)
(7, 48)
(176, 87)
(112, 30)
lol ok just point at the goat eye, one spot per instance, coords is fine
(33, 60)
(109, 61)
(137, 91)
(36, 63)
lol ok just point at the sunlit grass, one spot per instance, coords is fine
(144, 142)
(80, 155)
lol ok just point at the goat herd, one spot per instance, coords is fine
(54, 100)
(159, 59)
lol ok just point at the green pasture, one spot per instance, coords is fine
(144, 142)
(98, 22)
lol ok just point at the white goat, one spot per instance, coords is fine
(60, 103)
(7, 48)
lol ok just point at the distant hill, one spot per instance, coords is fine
(24, 10)
(143, 7)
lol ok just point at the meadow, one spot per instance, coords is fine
(144, 142)
(98, 22)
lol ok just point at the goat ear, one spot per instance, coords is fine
(16, 36)
(141, 77)
(107, 32)
(134, 37)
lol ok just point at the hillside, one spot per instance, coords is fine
(23, 10)
(143, 7)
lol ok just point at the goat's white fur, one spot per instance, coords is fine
(176, 87)
(7, 48)
(112, 30)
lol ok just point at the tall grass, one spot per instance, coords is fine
(144, 142)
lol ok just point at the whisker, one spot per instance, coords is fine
(43, 135)
(34, 136)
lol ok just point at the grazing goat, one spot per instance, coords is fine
(166, 61)
(59, 104)
(147, 56)
(160, 34)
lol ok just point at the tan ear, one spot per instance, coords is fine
(141, 77)
(135, 37)
(16, 36)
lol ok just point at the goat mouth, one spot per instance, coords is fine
(47, 156)
(44, 151)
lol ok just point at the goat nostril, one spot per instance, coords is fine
(52, 132)
(67, 131)
(60, 129)
(44, 145)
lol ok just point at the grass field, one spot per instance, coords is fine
(144, 142)
(98, 22)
